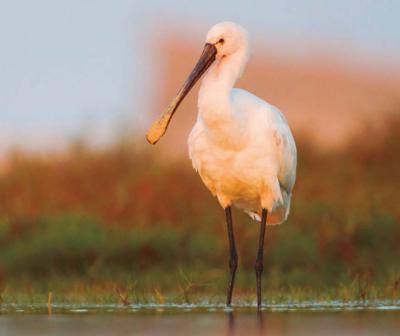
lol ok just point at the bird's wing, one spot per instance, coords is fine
(286, 154)
(286, 151)
(277, 126)
(269, 127)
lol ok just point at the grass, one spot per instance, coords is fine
(80, 245)
(80, 260)
(117, 226)
(123, 292)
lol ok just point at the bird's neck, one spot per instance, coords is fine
(215, 105)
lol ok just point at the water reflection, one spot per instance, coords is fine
(182, 323)
(231, 323)
(258, 319)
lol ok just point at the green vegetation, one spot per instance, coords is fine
(115, 225)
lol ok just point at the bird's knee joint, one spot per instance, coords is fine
(233, 262)
(258, 266)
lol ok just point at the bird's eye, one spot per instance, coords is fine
(221, 40)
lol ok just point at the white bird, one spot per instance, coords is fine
(241, 146)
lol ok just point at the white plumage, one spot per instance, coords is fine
(241, 146)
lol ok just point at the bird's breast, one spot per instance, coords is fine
(237, 174)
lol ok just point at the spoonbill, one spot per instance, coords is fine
(240, 145)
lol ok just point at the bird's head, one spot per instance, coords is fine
(223, 40)
(227, 38)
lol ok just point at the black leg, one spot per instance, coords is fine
(259, 265)
(233, 258)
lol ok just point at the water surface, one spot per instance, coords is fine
(198, 320)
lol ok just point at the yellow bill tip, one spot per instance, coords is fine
(157, 130)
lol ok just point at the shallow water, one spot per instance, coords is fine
(301, 319)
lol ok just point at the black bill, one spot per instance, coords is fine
(157, 130)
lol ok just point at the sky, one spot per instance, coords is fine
(71, 69)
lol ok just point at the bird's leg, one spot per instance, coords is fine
(259, 264)
(233, 258)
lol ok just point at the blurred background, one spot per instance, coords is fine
(86, 204)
